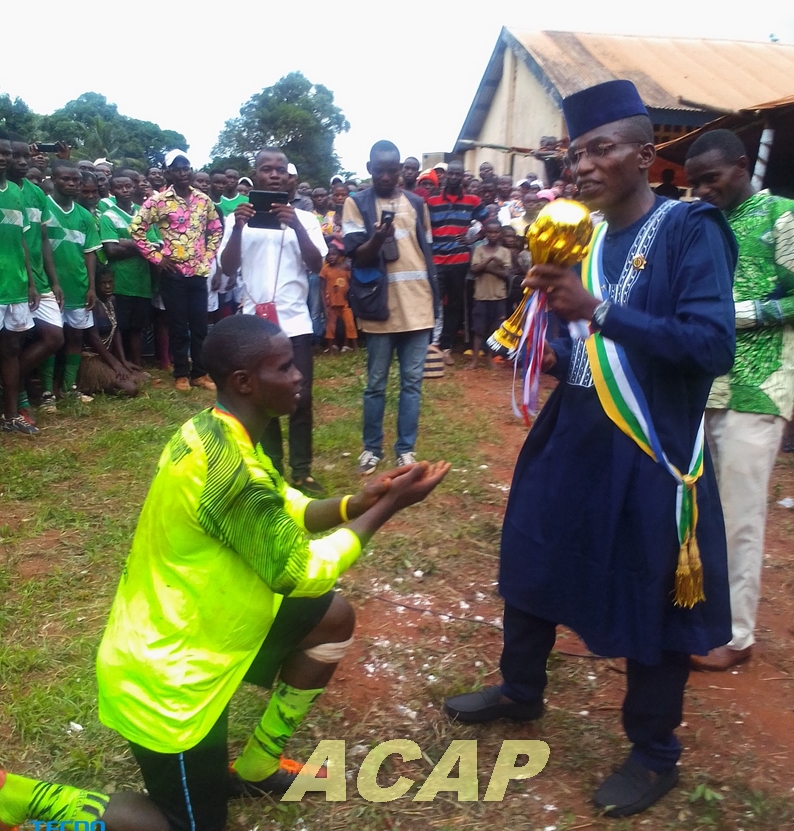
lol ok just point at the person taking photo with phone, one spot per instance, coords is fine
(274, 264)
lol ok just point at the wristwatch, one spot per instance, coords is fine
(600, 313)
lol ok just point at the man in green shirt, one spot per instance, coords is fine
(18, 295)
(749, 407)
(75, 240)
(47, 315)
(132, 278)
(223, 584)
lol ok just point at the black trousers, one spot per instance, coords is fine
(190, 788)
(452, 283)
(300, 422)
(652, 707)
(185, 301)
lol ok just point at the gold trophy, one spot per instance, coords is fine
(559, 236)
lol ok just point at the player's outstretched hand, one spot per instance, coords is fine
(416, 483)
(374, 490)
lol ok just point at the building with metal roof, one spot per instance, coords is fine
(683, 82)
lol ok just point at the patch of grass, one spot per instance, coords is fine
(70, 501)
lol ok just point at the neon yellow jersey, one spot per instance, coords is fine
(219, 543)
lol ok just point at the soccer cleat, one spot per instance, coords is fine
(3, 826)
(18, 425)
(26, 413)
(367, 462)
(48, 404)
(277, 783)
(76, 395)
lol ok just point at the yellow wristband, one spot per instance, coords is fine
(343, 508)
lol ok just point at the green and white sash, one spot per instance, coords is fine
(624, 403)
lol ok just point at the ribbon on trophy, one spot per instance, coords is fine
(559, 236)
(624, 403)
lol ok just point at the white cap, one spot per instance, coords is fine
(442, 165)
(103, 161)
(172, 155)
(292, 170)
(337, 178)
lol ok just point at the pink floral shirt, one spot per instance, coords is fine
(190, 229)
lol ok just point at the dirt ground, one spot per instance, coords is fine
(735, 723)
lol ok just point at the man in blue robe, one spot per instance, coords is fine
(590, 538)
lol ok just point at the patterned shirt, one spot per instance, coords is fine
(762, 377)
(220, 542)
(450, 217)
(190, 229)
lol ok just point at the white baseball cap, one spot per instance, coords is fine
(292, 170)
(172, 155)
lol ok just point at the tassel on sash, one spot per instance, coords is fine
(624, 403)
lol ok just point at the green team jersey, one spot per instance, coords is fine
(220, 541)
(73, 234)
(105, 203)
(131, 275)
(35, 202)
(13, 225)
(228, 205)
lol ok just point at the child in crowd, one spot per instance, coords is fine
(75, 241)
(490, 265)
(131, 271)
(335, 280)
(521, 262)
(104, 367)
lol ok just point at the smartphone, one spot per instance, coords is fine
(386, 217)
(261, 200)
(47, 146)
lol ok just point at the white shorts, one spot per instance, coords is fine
(16, 317)
(49, 311)
(78, 318)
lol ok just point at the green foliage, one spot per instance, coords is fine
(704, 793)
(294, 114)
(93, 127)
(241, 163)
(16, 116)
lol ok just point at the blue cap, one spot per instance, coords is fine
(602, 104)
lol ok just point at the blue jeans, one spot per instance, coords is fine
(316, 311)
(411, 348)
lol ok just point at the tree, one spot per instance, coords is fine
(16, 116)
(94, 127)
(295, 115)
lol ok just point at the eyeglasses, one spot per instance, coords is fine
(594, 149)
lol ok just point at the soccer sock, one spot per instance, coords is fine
(71, 365)
(22, 400)
(47, 373)
(22, 799)
(285, 712)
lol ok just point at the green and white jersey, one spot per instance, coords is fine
(105, 203)
(37, 213)
(13, 225)
(131, 275)
(73, 234)
(220, 541)
(228, 205)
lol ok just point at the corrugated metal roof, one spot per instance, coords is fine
(723, 74)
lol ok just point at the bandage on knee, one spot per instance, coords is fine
(329, 653)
